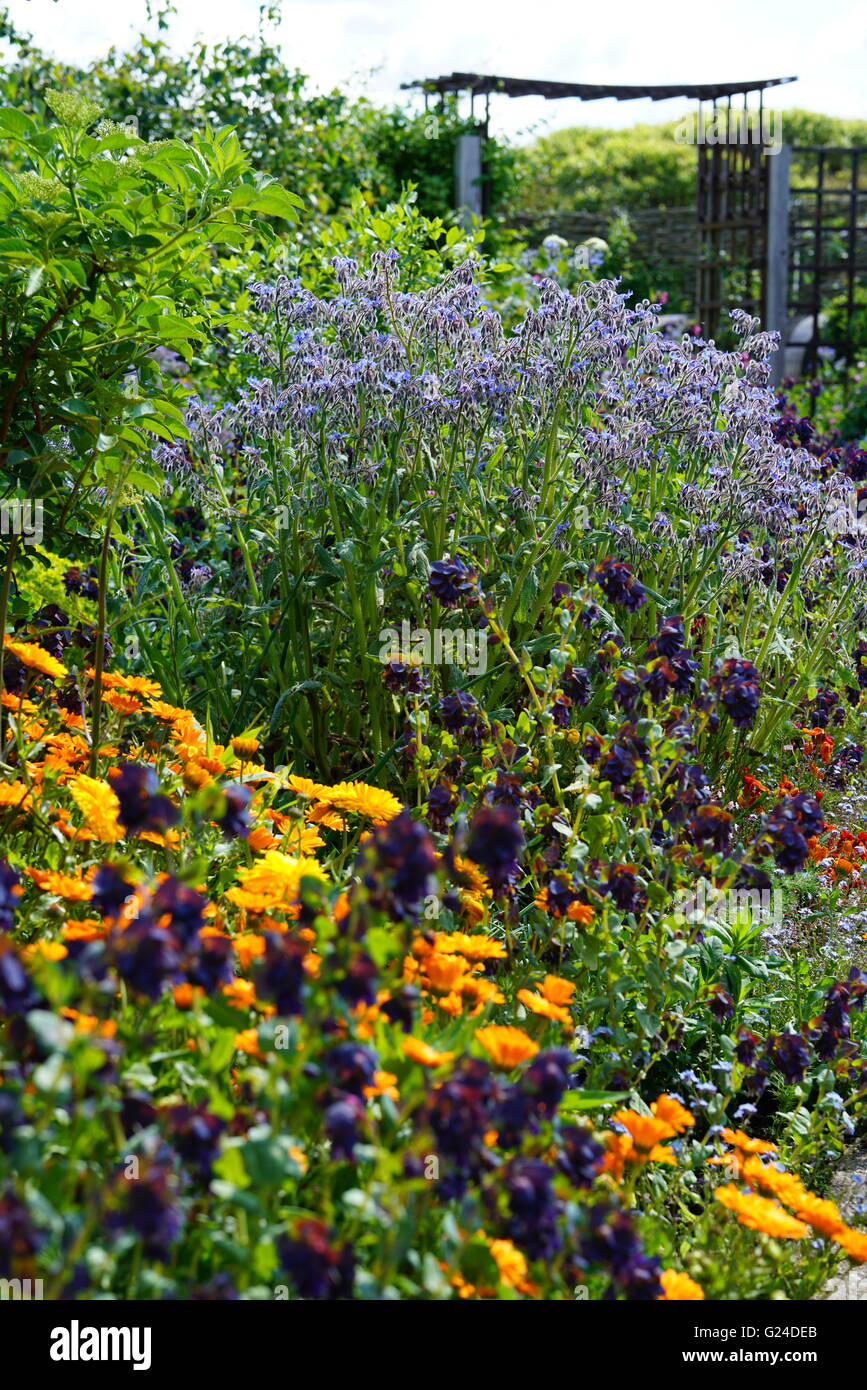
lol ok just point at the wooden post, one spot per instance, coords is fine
(468, 178)
(777, 294)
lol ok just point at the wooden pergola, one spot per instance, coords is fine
(732, 185)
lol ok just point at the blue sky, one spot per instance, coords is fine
(374, 45)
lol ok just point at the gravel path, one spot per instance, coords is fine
(849, 1191)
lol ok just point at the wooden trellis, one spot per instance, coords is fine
(732, 245)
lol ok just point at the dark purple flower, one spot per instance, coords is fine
(533, 1207)
(618, 583)
(135, 785)
(19, 1240)
(453, 583)
(351, 1067)
(109, 891)
(235, 820)
(737, 683)
(398, 862)
(149, 1210)
(17, 994)
(280, 975)
(9, 895)
(495, 843)
(581, 1158)
(343, 1121)
(195, 1132)
(146, 956)
(790, 1052)
(317, 1268)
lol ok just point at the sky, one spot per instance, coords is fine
(372, 46)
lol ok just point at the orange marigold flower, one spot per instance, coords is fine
(742, 1141)
(425, 1055)
(314, 791)
(273, 881)
(99, 806)
(34, 658)
(122, 702)
(645, 1130)
(61, 885)
(364, 800)
(678, 1287)
(384, 1084)
(761, 1214)
(511, 1263)
(88, 929)
(248, 1041)
(582, 913)
(556, 990)
(15, 794)
(49, 950)
(507, 1046)
(472, 946)
(444, 973)
(323, 815)
(166, 714)
(854, 1243)
(538, 1004)
(245, 746)
(469, 875)
(669, 1110)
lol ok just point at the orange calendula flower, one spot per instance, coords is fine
(323, 815)
(49, 950)
(384, 1084)
(510, 1262)
(166, 714)
(89, 929)
(15, 794)
(471, 946)
(761, 1214)
(245, 746)
(240, 992)
(248, 1041)
(61, 885)
(671, 1112)
(470, 876)
(122, 702)
(444, 973)
(34, 658)
(248, 946)
(507, 1046)
(183, 995)
(644, 1130)
(99, 806)
(538, 1004)
(424, 1054)
(582, 913)
(557, 991)
(739, 1140)
(314, 791)
(854, 1243)
(274, 881)
(679, 1288)
(364, 800)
